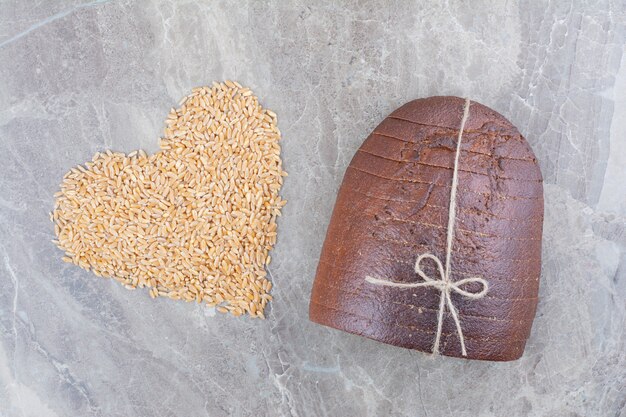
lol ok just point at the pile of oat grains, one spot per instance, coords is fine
(194, 221)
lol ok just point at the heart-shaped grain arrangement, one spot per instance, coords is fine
(194, 221)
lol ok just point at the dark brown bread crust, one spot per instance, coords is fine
(393, 206)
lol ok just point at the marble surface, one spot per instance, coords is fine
(79, 77)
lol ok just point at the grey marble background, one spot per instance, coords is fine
(79, 77)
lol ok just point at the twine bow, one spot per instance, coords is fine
(445, 285)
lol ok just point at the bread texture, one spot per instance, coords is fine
(393, 206)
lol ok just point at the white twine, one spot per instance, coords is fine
(444, 284)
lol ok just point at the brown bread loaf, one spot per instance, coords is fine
(393, 206)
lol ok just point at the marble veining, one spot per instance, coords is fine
(78, 77)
